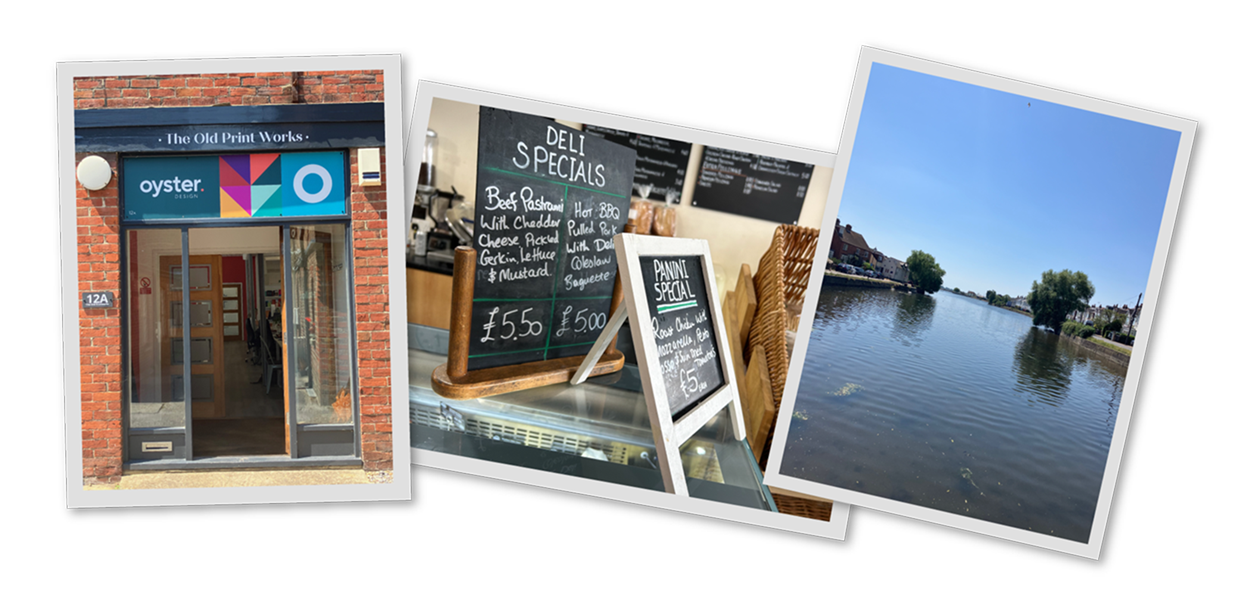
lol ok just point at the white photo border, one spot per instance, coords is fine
(1187, 128)
(426, 92)
(400, 486)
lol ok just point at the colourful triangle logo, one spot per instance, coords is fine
(266, 201)
(230, 175)
(265, 169)
(231, 208)
(242, 166)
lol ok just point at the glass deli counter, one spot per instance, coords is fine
(597, 430)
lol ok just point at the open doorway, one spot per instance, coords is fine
(259, 364)
(237, 287)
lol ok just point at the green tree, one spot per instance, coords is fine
(990, 295)
(1059, 294)
(925, 271)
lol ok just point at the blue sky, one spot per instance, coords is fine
(1001, 187)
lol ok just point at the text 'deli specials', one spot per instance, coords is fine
(549, 200)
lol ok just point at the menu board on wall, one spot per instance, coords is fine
(681, 322)
(661, 164)
(549, 200)
(752, 185)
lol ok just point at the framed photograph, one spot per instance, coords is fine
(970, 352)
(228, 278)
(516, 205)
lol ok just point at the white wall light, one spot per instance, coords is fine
(94, 173)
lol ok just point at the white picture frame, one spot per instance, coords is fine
(429, 91)
(868, 57)
(671, 433)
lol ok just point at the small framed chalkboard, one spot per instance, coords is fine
(670, 296)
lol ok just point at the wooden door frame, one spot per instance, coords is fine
(202, 409)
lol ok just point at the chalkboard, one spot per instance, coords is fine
(669, 292)
(752, 185)
(549, 200)
(661, 162)
(681, 322)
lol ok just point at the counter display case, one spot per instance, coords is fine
(597, 430)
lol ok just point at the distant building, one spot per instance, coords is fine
(847, 242)
(1124, 313)
(893, 268)
(1021, 303)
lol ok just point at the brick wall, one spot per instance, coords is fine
(99, 251)
(373, 321)
(235, 89)
(100, 350)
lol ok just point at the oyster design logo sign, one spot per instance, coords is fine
(251, 185)
(313, 183)
(235, 186)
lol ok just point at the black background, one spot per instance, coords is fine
(710, 373)
(546, 300)
(782, 206)
(1160, 520)
(654, 154)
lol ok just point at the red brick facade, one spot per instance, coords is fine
(235, 89)
(99, 252)
(373, 319)
(100, 332)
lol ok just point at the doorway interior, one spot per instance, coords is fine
(262, 363)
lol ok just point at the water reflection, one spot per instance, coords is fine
(945, 402)
(1043, 370)
(839, 307)
(912, 318)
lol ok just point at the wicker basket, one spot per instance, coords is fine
(805, 508)
(784, 271)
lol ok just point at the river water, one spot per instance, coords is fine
(946, 402)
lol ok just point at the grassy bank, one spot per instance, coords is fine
(1110, 345)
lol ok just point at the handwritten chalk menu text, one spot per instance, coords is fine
(549, 200)
(752, 185)
(681, 321)
(661, 165)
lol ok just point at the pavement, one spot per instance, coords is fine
(1110, 342)
(251, 477)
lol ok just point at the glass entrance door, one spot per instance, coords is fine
(286, 389)
(320, 348)
(156, 411)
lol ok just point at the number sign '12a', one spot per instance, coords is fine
(669, 291)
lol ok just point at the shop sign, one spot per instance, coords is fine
(97, 300)
(238, 129)
(235, 186)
